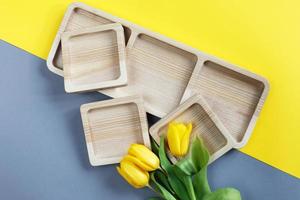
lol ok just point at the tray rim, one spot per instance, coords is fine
(122, 78)
(85, 108)
(196, 99)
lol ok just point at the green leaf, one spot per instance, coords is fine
(224, 194)
(187, 181)
(200, 183)
(197, 158)
(177, 185)
(162, 179)
(200, 155)
(164, 161)
(154, 146)
(189, 186)
(163, 191)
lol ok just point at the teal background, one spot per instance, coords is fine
(43, 154)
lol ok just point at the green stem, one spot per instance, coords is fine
(190, 188)
(151, 188)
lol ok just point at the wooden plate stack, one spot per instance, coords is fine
(147, 72)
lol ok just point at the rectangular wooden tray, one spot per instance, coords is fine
(161, 69)
(94, 58)
(205, 125)
(111, 126)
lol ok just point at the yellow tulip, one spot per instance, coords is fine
(143, 157)
(179, 138)
(134, 175)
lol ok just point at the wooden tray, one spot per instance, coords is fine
(160, 70)
(205, 124)
(111, 126)
(94, 58)
(234, 94)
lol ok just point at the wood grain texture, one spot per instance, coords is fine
(236, 97)
(111, 126)
(158, 71)
(74, 19)
(78, 16)
(94, 58)
(205, 125)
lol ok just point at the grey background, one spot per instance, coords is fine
(43, 154)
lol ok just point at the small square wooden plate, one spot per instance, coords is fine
(205, 124)
(111, 126)
(94, 58)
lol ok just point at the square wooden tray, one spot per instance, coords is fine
(205, 124)
(111, 126)
(94, 58)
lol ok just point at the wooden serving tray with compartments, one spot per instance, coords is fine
(165, 72)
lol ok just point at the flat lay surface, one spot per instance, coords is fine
(43, 151)
(259, 36)
(43, 147)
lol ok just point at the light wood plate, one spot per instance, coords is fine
(205, 125)
(94, 58)
(111, 126)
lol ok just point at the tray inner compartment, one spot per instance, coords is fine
(160, 71)
(203, 126)
(231, 95)
(113, 129)
(93, 63)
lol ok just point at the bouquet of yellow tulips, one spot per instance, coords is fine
(184, 180)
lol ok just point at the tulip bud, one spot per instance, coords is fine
(135, 176)
(178, 138)
(143, 157)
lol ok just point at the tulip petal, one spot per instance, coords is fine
(124, 175)
(173, 139)
(139, 163)
(181, 129)
(137, 176)
(186, 140)
(145, 155)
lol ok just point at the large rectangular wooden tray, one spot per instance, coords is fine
(161, 69)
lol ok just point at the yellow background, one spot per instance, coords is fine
(262, 36)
